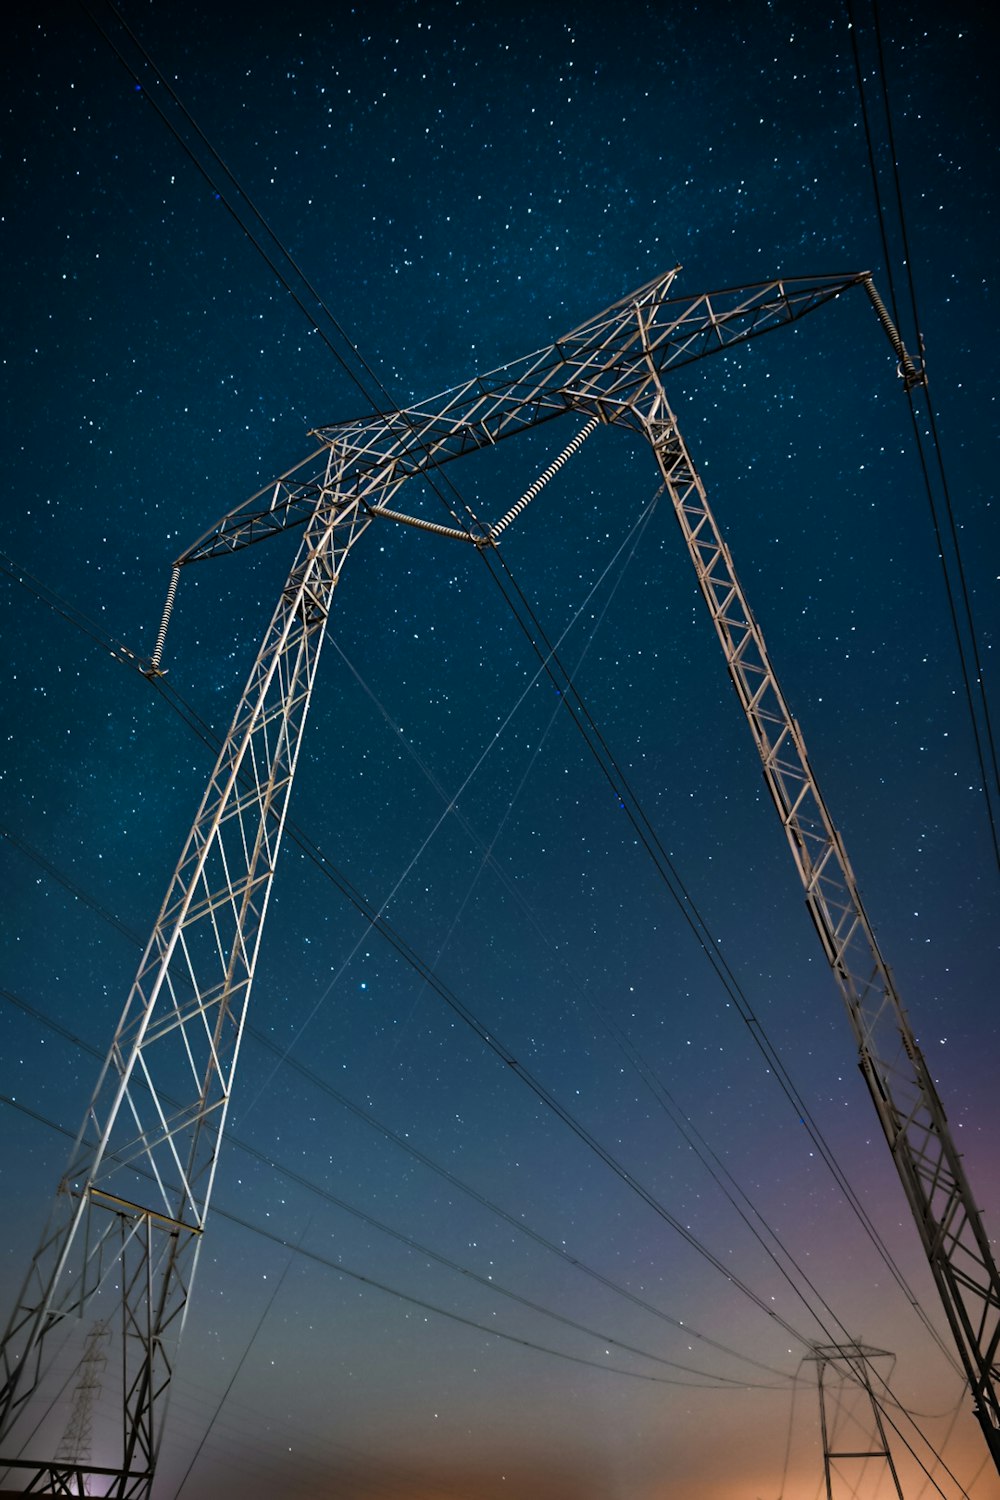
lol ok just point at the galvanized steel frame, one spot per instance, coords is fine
(892, 1064)
(133, 1202)
(135, 1197)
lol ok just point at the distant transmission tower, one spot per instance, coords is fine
(850, 1417)
(131, 1210)
(73, 1452)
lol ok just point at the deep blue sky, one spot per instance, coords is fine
(463, 182)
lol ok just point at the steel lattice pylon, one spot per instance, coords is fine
(136, 1194)
(850, 1364)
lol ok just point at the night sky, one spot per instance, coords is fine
(419, 1283)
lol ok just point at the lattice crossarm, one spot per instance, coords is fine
(608, 366)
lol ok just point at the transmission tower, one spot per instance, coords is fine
(850, 1413)
(73, 1452)
(132, 1206)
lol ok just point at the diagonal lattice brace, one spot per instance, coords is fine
(605, 368)
(890, 1059)
(133, 1202)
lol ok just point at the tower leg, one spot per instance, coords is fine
(132, 1205)
(891, 1062)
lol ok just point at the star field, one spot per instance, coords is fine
(417, 1281)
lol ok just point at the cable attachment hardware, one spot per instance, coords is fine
(910, 373)
(153, 670)
(422, 525)
(544, 477)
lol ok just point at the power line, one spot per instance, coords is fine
(436, 984)
(984, 752)
(667, 871)
(407, 1146)
(685, 894)
(283, 252)
(713, 1383)
(374, 918)
(973, 679)
(586, 1136)
(708, 1157)
(529, 624)
(239, 1365)
(298, 1177)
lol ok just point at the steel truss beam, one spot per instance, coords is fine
(892, 1064)
(131, 1209)
(606, 367)
(132, 1205)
